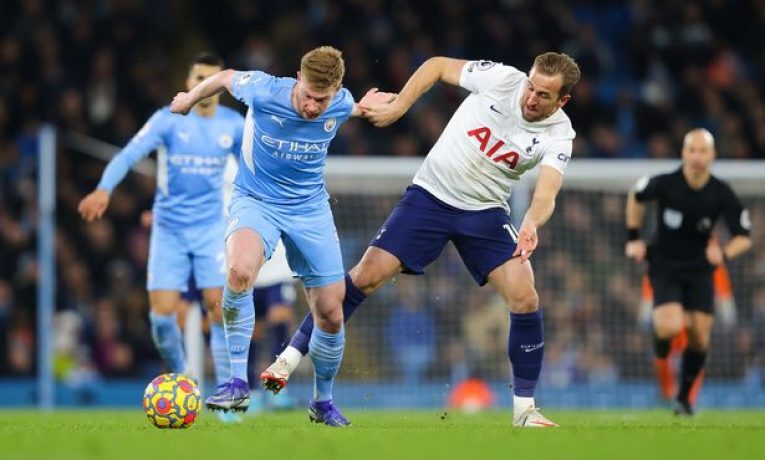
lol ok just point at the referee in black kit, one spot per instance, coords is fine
(684, 252)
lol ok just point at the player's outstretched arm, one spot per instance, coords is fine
(210, 86)
(542, 206)
(635, 248)
(94, 205)
(434, 69)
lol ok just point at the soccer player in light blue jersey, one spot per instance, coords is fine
(188, 223)
(280, 193)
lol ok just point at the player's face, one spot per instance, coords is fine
(698, 153)
(197, 74)
(311, 102)
(542, 96)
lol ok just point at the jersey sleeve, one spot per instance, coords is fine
(649, 188)
(150, 136)
(346, 103)
(558, 154)
(482, 76)
(736, 216)
(247, 84)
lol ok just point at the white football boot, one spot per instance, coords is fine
(532, 418)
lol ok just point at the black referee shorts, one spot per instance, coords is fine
(695, 292)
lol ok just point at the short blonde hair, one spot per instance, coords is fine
(323, 67)
(558, 63)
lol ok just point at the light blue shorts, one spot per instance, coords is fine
(308, 232)
(177, 253)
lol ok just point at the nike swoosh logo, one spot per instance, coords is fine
(495, 110)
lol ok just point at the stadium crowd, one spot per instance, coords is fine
(101, 68)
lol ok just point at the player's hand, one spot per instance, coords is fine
(527, 241)
(636, 249)
(715, 254)
(94, 205)
(375, 97)
(182, 103)
(384, 114)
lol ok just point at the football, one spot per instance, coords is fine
(171, 401)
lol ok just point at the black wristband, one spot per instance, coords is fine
(633, 234)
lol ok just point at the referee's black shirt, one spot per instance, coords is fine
(686, 218)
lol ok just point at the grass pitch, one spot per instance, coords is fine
(386, 435)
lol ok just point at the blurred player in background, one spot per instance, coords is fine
(280, 193)
(188, 222)
(510, 123)
(684, 253)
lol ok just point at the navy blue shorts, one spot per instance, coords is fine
(275, 294)
(419, 227)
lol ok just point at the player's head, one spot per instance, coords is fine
(320, 77)
(202, 66)
(549, 86)
(698, 151)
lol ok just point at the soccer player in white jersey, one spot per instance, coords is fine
(280, 194)
(188, 222)
(507, 125)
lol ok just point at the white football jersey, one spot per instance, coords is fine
(487, 144)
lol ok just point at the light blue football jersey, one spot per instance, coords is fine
(283, 154)
(191, 156)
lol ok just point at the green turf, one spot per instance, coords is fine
(650, 435)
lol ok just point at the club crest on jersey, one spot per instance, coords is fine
(534, 142)
(483, 136)
(329, 125)
(225, 141)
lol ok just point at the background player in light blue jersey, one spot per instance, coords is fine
(188, 222)
(280, 193)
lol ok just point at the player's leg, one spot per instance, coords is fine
(698, 296)
(165, 331)
(486, 241)
(313, 253)
(168, 275)
(251, 237)
(525, 346)
(668, 321)
(326, 348)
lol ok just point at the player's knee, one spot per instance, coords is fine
(240, 277)
(329, 320)
(666, 330)
(526, 301)
(367, 278)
